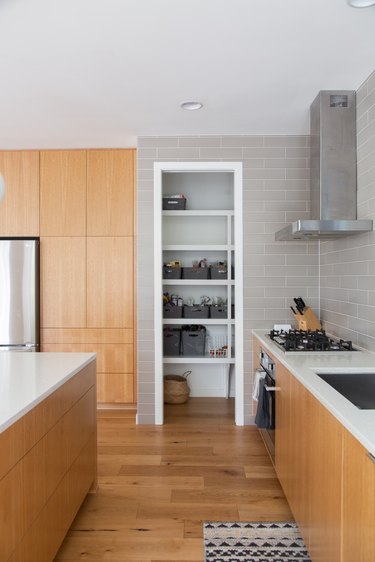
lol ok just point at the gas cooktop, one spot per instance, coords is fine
(302, 341)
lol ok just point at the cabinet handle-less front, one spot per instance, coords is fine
(371, 457)
(272, 388)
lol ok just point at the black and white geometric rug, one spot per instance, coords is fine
(253, 542)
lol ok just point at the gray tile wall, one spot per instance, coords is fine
(275, 192)
(348, 265)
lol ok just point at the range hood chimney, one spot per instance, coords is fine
(333, 162)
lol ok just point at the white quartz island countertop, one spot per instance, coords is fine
(28, 378)
(304, 366)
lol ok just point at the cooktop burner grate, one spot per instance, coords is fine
(300, 340)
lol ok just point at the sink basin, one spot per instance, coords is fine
(358, 388)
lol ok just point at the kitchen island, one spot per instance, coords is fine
(324, 452)
(47, 449)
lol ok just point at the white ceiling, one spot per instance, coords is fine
(99, 73)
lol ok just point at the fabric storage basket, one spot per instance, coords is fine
(199, 311)
(193, 341)
(171, 341)
(219, 272)
(218, 311)
(195, 272)
(176, 388)
(171, 272)
(170, 311)
(174, 203)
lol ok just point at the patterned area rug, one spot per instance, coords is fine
(254, 542)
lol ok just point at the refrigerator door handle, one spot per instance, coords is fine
(26, 347)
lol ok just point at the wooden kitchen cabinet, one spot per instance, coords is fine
(115, 358)
(63, 282)
(110, 277)
(19, 210)
(321, 502)
(358, 502)
(63, 193)
(110, 192)
(308, 464)
(87, 255)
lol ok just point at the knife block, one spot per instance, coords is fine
(308, 320)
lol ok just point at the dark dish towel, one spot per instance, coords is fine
(262, 418)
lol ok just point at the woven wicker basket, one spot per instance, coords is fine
(176, 388)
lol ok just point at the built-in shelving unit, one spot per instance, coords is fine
(211, 228)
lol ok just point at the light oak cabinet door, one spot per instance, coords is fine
(110, 282)
(115, 352)
(308, 464)
(323, 495)
(110, 192)
(63, 282)
(63, 193)
(358, 502)
(19, 210)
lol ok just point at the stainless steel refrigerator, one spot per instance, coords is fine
(19, 294)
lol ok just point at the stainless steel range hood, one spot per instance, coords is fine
(333, 161)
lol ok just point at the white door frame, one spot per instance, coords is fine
(236, 169)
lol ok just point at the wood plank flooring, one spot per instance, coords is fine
(158, 483)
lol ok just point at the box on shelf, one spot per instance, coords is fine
(193, 341)
(218, 311)
(196, 311)
(174, 203)
(171, 272)
(195, 272)
(171, 311)
(171, 341)
(219, 272)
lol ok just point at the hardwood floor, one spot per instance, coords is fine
(158, 483)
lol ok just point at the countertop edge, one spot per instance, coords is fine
(27, 408)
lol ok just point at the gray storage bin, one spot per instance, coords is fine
(219, 272)
(170, 311)
(196, 311)
(171, 341)
(195, 272)
(193, 341)
(218, 311)
(171, 272)
(174, 203)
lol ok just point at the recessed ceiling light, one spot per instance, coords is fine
(361, 3)
(191, 105)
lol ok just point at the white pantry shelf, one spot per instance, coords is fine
(208, 213)
(205, 282)
(202, 360)
(201, 321)
(198, 247)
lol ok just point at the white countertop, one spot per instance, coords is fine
(360, 423)
(28, 378)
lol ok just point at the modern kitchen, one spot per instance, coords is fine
(187, 281)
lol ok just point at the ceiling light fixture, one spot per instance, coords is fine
(191, 105)
(361, 3)
(2, 187)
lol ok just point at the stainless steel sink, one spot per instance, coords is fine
(358, 388)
